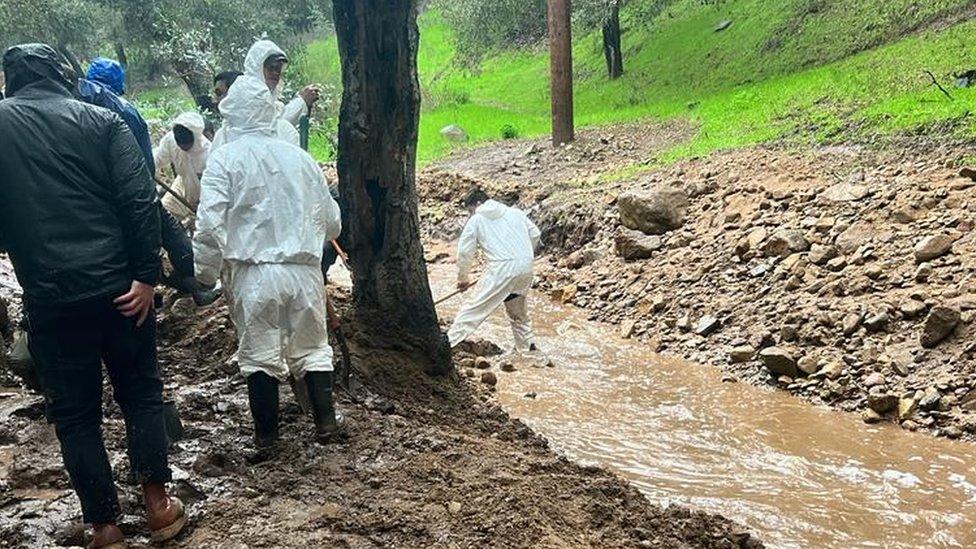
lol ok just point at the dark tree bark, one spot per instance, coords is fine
(121, 55)
(561, 70)
(611, 43)
(378, 121)
(197, 78)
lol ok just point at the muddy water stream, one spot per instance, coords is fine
(796, 474)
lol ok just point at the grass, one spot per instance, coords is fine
(811, 70)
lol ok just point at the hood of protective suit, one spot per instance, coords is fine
(257, 55)
(109, 73)
(492, 209)
(249, 107)
(194, 122)
(30, 63)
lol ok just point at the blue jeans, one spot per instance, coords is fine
(69, 344)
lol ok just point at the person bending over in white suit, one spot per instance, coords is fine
(266, 210)
(508, 239)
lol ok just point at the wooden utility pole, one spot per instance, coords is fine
(561, 69)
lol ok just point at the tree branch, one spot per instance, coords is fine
(935, 83)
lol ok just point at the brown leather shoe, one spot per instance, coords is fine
(107, 536)
(165, 514)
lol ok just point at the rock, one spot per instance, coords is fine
(723, 25)
(923, 272)
(913, 309)
(183, 307)
(508, 367)
(580, 258)
(779, 361)
(939, 325)
(566, 294)
(846, 192)
(627, 329)
(821, 254)
(489, 379)
(785, 242)
(808, 365)
(837, 264)
(632, 245)
(742, 353)
(707, 325)
(930, 399)
(851, 323)
(952, 432)
(906, 408)
(653, 212)
(932, 247)
(882, 402)
(6, 327)
(877, 323)
(684, 323)
(454, 508)
(454, 133)
(832, 370)
(870, 417)
(874, 380)
(482, 363)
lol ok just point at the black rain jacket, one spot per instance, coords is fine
(78, 212)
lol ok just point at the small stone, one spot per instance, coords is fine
(877, 323)
(820, 254)
(183, 307)
(923, 273)
(779, 361)
(952, 432)
(742, 353)
(785, 242)
(932, 247)
(874, 380)
(906, 408)
(707, 326)
(832, 370)
(808, 365)
(627, 329)
(508, 367)
(454, 507)
(882, 402)
(454, 133)
(912, 309)
(851, 323)
(489, 379)
(837, 264)
(930, 399)
(871, 417)
(482, 363)
(939, 325)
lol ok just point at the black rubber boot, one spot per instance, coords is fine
(328, 423)
(262, 395)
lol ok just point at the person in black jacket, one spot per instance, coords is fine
(80, 221)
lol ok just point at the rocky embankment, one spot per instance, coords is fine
(842, 274)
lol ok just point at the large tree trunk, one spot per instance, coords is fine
(378, 122)
(197, 78)
(611, 43)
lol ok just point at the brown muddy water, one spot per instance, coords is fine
(796, 474)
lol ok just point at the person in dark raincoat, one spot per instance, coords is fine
(80, 221)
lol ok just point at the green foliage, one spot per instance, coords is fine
(483, 26)
(71, 24)
(509, 131)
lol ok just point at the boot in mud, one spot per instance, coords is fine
(262, 396)
(165, 514)
(107, 536)
(328, 422)
(202, 296)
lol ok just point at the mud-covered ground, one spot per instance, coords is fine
(426, 463)
(832, 261)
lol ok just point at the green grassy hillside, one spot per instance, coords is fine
(811, 69)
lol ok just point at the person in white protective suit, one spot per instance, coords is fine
(508, 239)
(266, 210)
(266, 61)
(186, 149)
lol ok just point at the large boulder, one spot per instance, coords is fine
(635, 244)
(939, 325)
(655, 211)
(779, 361)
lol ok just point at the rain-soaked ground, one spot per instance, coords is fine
(797, 475)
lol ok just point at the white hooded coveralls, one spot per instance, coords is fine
(188, 165)
(286, 123)
(508, 239)
(265, 208)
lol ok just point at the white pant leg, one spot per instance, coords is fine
(518, 313)
(257, 312)
(490, 294)
(307, 348)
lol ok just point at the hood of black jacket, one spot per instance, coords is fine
(28, 64)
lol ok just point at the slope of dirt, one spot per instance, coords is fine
(427, 463)
(810, 253)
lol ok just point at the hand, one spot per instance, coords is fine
(137, 302)
(310, 94)
(463, 286)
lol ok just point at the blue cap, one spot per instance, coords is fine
(109, 73)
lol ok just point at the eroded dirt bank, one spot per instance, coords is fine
(427, 463)
(841, 274)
